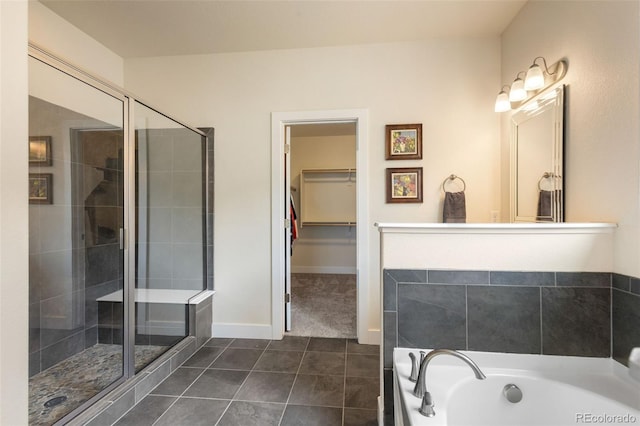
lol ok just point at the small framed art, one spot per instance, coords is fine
(40, 188)
(403, 141)
(404, 185)
(40, 151)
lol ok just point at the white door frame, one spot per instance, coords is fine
(278, 244)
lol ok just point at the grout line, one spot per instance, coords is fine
(344, 383)
(541, 322)
(295, 379)
(233, 398)
(466, 316)
(200, 397)
(188, 387)
(165, 411)
(344, 380)
(611, 320)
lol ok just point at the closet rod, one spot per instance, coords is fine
(329, 170)
(328, 223)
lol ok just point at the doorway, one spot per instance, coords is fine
(322, 269)
(281, 196)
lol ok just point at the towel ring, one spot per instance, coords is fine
(452, 178)
(546, 175)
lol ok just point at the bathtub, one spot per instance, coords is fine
(556, 391)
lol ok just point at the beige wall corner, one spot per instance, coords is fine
(14, 287)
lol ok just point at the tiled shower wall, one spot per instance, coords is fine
(74, 254)
(174, 220)
(172, 212)
(552, 313)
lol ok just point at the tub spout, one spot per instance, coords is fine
(421, 385)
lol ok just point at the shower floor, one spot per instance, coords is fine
(79, 378)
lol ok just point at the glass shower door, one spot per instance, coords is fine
(117, 236)
(76, 263)
(170, 230)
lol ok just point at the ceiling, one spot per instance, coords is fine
(139, 28)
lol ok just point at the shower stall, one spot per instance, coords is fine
(120, 233)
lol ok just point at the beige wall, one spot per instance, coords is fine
(14, 213)
(447, 85)
(601, 42)
(322, 249)
(50, 31)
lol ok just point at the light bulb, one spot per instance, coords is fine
(517, 92)
(502, 102)
(534, 79)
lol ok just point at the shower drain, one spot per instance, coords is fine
(55, 401)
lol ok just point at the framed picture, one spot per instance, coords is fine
(40, 188)
(404, 185)
(403, 141)
(40, 151)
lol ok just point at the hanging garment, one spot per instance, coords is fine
(294, 223)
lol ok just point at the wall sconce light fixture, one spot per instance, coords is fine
(535, 81)
(517, 92)
(502, 101)
(535, 77)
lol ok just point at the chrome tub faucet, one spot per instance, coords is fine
(420, 390)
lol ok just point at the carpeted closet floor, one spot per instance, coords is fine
(323, 305)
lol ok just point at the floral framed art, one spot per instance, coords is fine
(404, 185)
(40, 188)
(40, 151)
(403, 141)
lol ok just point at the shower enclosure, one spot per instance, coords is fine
(117, 236)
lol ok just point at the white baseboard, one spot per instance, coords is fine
(264, 331)
(241, 331)
(323, 269)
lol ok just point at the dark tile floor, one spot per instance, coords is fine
(244, 382)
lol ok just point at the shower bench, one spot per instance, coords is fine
(153, 295)
(167, 313)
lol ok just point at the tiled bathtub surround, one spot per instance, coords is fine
(552, 313)
(625, 316)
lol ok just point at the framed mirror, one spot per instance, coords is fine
(537, 141)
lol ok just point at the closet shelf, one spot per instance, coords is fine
(329, 224)
(328, 197)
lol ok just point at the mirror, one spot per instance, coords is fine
(537, 159)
